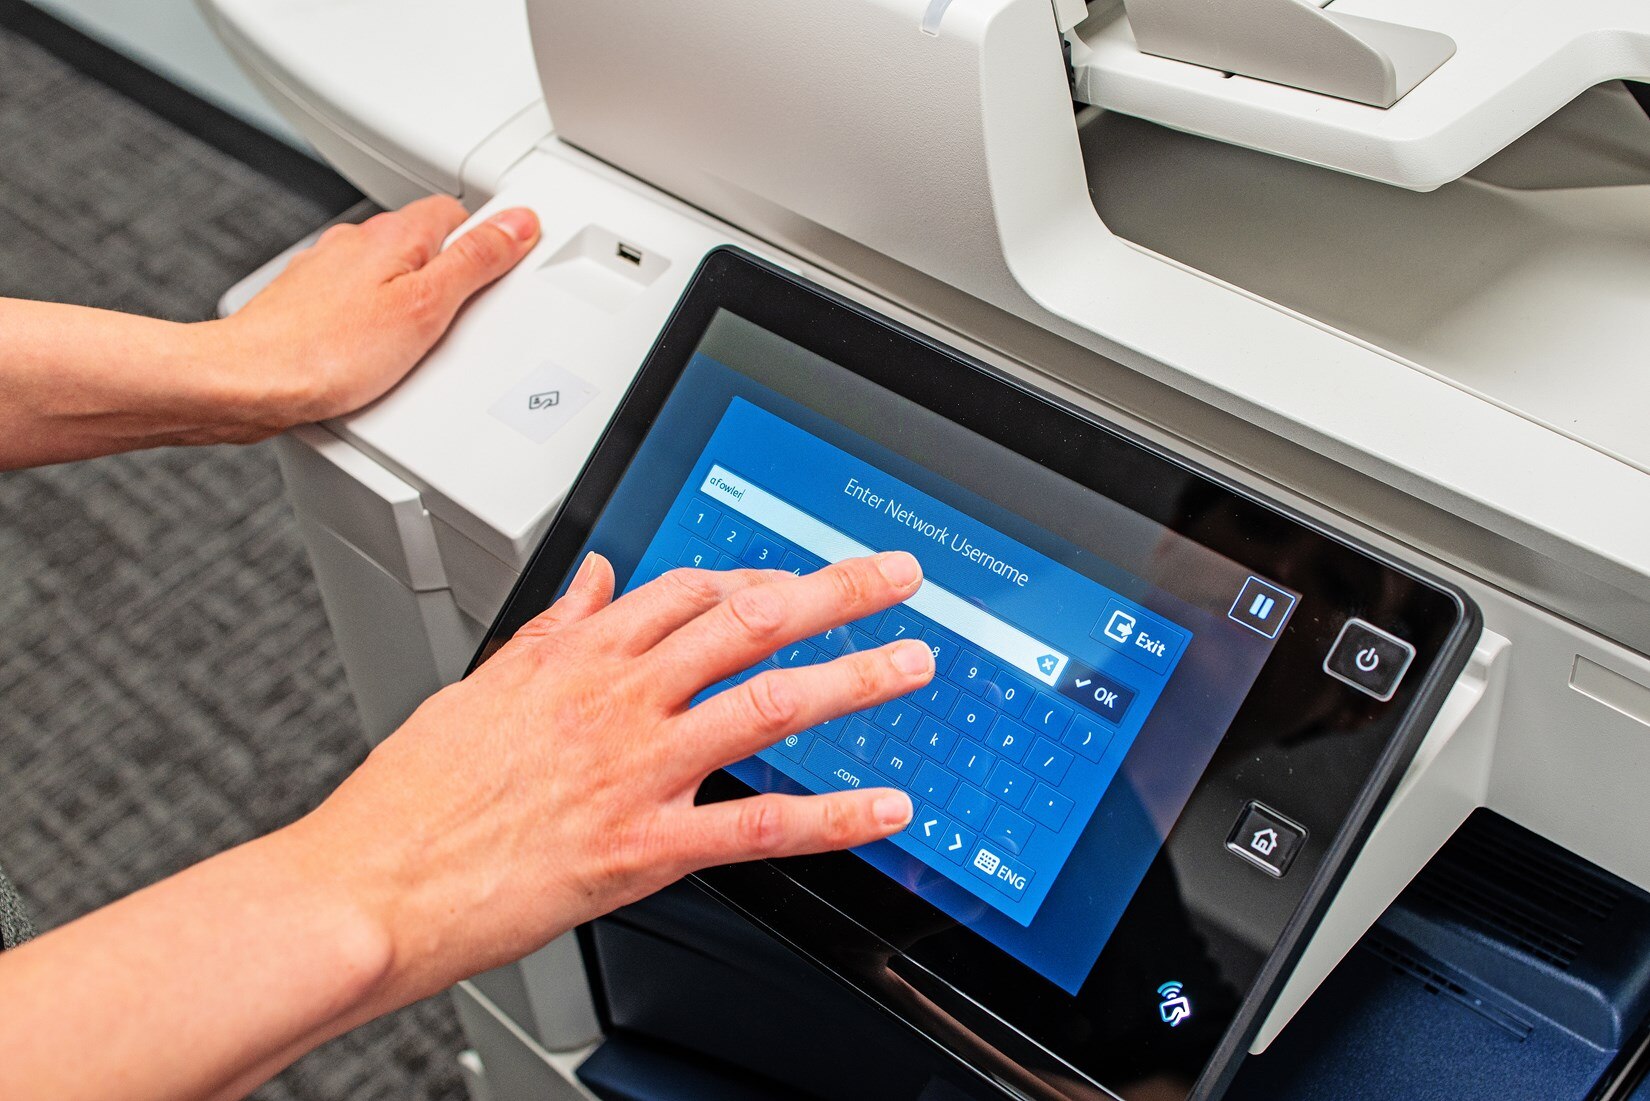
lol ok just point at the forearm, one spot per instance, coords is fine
(79, 382)
(198, 987)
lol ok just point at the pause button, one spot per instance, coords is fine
(1262, 607)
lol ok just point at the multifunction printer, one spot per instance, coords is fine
(1381, 266)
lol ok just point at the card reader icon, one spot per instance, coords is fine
(1175, 1008)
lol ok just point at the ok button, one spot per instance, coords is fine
(1095, 691)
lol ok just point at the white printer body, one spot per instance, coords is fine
(1426, 323)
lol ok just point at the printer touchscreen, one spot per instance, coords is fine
(1052, 656)
(1155, 735)
(1044, 675)
(1007, 751)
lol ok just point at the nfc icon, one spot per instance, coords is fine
(1174, 1007)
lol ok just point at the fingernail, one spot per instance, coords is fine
(899, 568)
(519, 222)
(587, 570)
(893, 809)
(912, 657)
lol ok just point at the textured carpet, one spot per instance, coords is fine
(168, 686)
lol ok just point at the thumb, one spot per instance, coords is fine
(480, 256)
(590, 592)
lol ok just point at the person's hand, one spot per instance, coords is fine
(554, 784)
(337, 329)
(557, 782)
(352, 315)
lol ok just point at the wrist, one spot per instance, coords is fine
(398, 886)
(343, 914)
(252, 384)
(440, 877)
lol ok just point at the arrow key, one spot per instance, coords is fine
(929, 826)
(955, 845)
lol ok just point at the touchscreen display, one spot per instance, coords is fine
(1165, 712)
(1064, 629)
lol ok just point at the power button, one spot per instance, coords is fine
(1369, 659)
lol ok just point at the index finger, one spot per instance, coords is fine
(415, 232)
(754, 622)
(639, 619)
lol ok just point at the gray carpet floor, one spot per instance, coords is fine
(168, 685)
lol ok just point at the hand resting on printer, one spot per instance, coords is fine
(341, 326)
(555, 783)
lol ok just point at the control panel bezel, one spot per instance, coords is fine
(1314, 747)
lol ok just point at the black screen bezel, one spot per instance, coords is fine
(803, 902)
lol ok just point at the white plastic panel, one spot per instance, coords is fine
(388, 636)
(481, 581)
(563, 1013)
(484, 473)
(1534, 299)
(547, 993)
(486, 166)
(376, 561)
(396, 93)
(1517, 62)
(976, 191)
(377, 513)
(513, 1066)
(1446, 782)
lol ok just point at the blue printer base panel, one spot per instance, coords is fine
(1510, 970)
(1138, 671)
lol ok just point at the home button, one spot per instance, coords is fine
(1266, 839)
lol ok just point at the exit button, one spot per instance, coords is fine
(1152, 642)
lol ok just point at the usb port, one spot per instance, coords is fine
(630, 254)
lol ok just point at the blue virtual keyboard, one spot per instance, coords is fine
(1037, 695)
